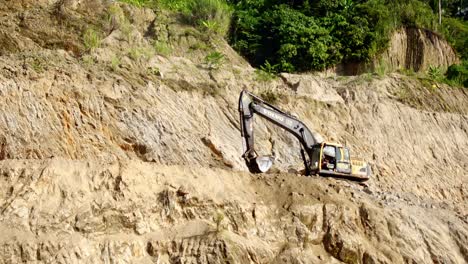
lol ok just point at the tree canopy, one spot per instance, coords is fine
(301, 35)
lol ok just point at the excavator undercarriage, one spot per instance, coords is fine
(322, 158)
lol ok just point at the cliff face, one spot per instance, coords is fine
(122, 155)
(418, 49)
(409, 48)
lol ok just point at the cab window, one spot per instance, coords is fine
(315, 157)
(338, 154)
(346, 154)
(329, 151)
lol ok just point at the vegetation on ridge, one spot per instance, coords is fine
(297, 36)
(211, 15)
(313, 35)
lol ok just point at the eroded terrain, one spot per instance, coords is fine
(138, 161)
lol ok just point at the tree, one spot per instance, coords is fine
(440, 12)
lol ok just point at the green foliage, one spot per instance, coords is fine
(115, 63)
(116, 15)
(212, 15)
(138, 3)
(181, 6)
(211, 27)
(137, 53)
(458, 73)
(313, 35)
(285, 37)
(381, 68)
(435, 73)
(456, 32)
(266, 73)
(407, 72)
(117, 20)
(37, 64)
(91, 39)
(416, 14)
(214, 60)
(162, 48)
(88, 60)
(218, 219)
(154, 4)
(200, 46)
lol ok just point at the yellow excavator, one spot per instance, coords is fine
(322, 158)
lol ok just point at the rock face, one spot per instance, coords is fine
(417, 49)
(121, 155)
(409, 48)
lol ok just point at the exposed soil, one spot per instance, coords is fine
(127, 153)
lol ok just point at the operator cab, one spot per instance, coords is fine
(330, 158)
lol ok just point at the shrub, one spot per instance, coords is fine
(435, 73)
(154, 4)
(218, 219)
(116, 16)
(211, 27)
(301, 38)
(200, 46)
(213, 13)
(138, 3)
(456, 32)
(91, 39)
(381, 68)
(115, 63)
(137, 53)
(458, 73)
(37, 64)
(88, 60)
(415, 13)
(266, 73)
(181, 6)
(300, 42)
(214, 60)
(117, 20)
(162, 48)
(408, 72)
(173, 5)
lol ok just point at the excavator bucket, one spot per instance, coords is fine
(260, 164)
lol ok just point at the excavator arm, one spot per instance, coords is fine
(249, 105)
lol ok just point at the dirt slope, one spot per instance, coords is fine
(121, 155)
(86, 212)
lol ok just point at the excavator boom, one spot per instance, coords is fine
(311, 149)
(249, 105)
